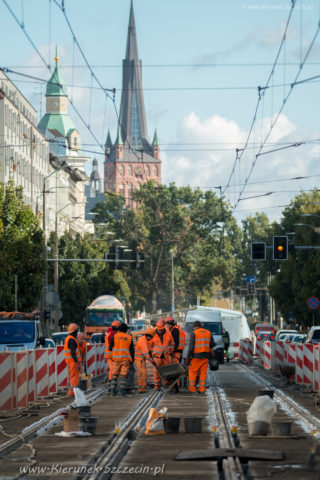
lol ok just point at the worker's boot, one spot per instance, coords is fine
(114, 382)
(123, 384)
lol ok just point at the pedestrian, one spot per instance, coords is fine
(201, 346)
(83, 351)
(110, 334)
(226, 341)
(72, 357)
(142, 356)
(162, 347)
(122, 353)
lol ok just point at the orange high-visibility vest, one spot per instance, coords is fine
(121, 347)
(182, 338)
(142, 348)
(201, 340)
(159, 348)
(67, 352)
(107, 352)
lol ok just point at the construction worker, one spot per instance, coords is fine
(142, 356)
(175, 332)
(162, 347)
(72, 357)
(200, 347)
(110, 334)
(226, 341)
(83, 351)
(122, 353)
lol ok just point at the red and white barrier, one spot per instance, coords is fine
(42, 371)
(7, 381)
(316, 368)
(308, 364)
(234, 350)
(22, 379)
(246, 353)
(62, 369)
(31, 377)
(102, 359)
(277, 355)
(299, 365)
(267, 356)
(91, 360)
(259, 348)
(52, 370)
(289, 353)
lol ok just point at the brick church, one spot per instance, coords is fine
(132, 159)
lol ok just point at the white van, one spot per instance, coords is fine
(211, 320)
(19, 334)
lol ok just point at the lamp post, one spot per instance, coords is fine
(45, 282)
(315, 229)
(172, 280)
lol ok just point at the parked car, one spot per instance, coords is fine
(264, 327)
(97, 338)
(301, 338)
(313, 335)
(287, 332)
(265, 336)
(59, 337)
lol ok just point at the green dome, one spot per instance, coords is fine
(56, 86)
(57, 122)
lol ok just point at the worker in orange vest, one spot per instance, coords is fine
(175, 332)
(122, 354)
(83, 351)
(200, 348)
(72, 357)
(142, 356)
(110, 334)
(162, 346)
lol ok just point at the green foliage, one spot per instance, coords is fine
(80, 283)
(194, 227)
(21, 250)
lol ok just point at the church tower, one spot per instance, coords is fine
(132, 160)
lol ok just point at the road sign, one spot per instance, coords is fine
(313, 303)
(251, 279)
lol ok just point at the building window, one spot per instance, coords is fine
(155, 172)
(130, 170)
(75, 141)
(147, 169)
(122, 170)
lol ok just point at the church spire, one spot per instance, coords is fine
(132, 111)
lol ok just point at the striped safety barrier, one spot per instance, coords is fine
(316, 368)
(277, 356)
(62, 369)
(52, 370)
(308, 364)
(246, 353)
(299, 365)
(259, 346)
(267, 355)
(31, 377)
(22, 379)
(42, 371)
(7, 381)
(91, 360)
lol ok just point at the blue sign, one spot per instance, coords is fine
(313, 303)
(251, 279)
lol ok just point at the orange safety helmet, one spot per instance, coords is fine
(80, 336)
(150, 331)
(72, 327)
(160, 323)
(115, 323)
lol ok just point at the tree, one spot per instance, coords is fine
(21, 251)
(195, 227)
(80, 283)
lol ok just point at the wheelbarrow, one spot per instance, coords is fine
(171, 373)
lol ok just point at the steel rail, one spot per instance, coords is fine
(232, 467)
(299, 412)
(112, 453)
(39, 428)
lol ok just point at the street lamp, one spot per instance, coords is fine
(315, 229)
(172, 280)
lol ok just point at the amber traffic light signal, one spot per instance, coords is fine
(280, 248)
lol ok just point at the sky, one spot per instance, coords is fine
(202, 65)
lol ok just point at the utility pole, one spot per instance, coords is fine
(172, 282)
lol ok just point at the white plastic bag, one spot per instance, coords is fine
(262, 409)
(80, 397)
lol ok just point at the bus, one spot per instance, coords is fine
(101, 313)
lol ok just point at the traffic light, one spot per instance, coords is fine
(280, 248)
(258, 251)
(251, 288)
(138, 261)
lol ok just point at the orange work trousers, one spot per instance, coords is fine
(142, 374)
(159, 363)
(110, 363)
(73, 374)
(197, 364)
(120, 368)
